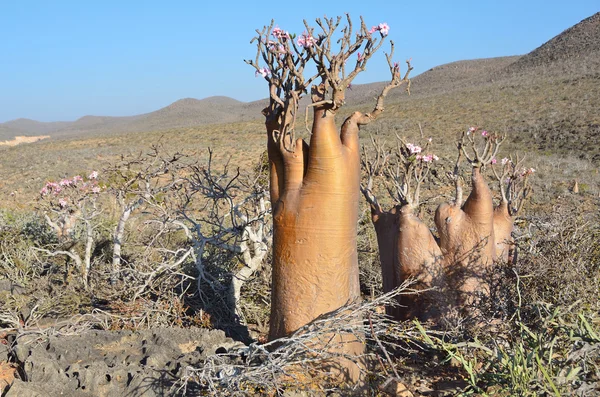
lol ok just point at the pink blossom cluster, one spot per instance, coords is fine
(383, 28)
(414, 149)
(527, 172)
(77, 182)
(305, 40)
(276, 47)
(264, 72)
(280, 33)
(428, 158)
(505, 161)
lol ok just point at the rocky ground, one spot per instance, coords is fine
(106, 363)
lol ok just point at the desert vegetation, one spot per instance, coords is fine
(137, 239)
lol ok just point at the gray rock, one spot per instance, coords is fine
(107, 364)
(4, 352)
(39, 389)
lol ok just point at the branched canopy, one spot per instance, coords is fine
(404, 169)
(514, 184)
(282, 60)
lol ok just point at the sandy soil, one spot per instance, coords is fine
(24, 139)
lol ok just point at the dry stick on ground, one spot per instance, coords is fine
(514, 191)
(466, 231)
(314, 189)
(407, 249)
(288, 362)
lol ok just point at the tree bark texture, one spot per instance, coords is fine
(503, 228)
(467, 239)
(314, 195)
(407, 249)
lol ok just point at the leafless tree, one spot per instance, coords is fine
(230, 211)
(138, 181)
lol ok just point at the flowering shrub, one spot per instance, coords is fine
(69, 192)
(69, 205)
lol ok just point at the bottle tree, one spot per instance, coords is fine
(314, 186)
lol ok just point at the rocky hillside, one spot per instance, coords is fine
(577, 48)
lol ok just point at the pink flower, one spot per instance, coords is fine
(384, 28)
(275, 47)
(93, 175)
(62, 202)
(419, 157)
(65, 182)
(484, 133)
(77, 178)
(471, 129)
(504, 161)
(361, 57)
(413, 148)
(96, 189)
(430, 158)
(264, 72)
(44, 191)
(306, 41)
(494, 160)
(279, 33)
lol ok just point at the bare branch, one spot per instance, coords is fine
(513, 183)
(481, 156)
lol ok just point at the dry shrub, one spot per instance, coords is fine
(559, 260)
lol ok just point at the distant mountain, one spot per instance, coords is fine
(185, 112)
(8, 133)
(574, 51)
(29, 126)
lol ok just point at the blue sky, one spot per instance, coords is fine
(61, 60)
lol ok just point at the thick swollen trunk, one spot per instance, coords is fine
(503, 228)
(480, 209)
(467, 239)
(407, 249)
(314, 194)
(315, 201)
